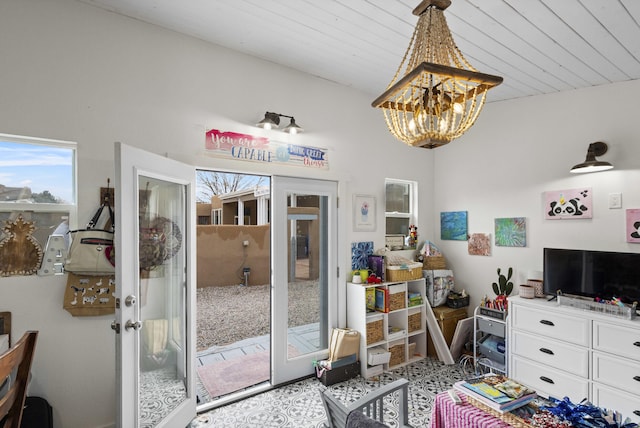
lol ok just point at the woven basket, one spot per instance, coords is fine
(434, 263)
(397, 300)
(506, 417)
(375, 332)
(415, 322)
(398, 273)
(397, 354)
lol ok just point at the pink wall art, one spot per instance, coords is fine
(569, 204)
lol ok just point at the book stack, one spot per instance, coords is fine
(497, 392)
(415, 299)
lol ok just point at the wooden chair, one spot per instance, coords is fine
(16, 360)
(371, 405)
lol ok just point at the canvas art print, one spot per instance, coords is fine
(633, 225)
(568, 204)
(480, 244)
(453, 225)
(360, 252)
(511, 232)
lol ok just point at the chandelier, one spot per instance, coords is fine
(435, 95)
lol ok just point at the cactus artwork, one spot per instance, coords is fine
(503, 286)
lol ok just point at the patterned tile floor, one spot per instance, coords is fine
(298, 405)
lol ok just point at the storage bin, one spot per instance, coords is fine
(340, 374)
(415, 322)
(375, 329)
(412, 349)
(376, 356)
(404, 272)
(491, 327)
(434, 263)
(492, 347)
(397, 300)
(397, 354)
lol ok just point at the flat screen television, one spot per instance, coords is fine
(585, 273)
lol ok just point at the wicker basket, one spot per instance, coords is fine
(404, 272)
(415, 322)
(397, 354)
(506, 417)
(375, 331)
(434, 263)
(397, 300)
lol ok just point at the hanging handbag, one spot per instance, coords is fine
(91, 251)
(344, 342)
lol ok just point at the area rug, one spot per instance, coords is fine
(224, 377)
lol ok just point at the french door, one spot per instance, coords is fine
(304, 265)
(155, 289)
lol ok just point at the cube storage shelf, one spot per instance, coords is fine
(400, 334)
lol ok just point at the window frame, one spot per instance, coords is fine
(412, 215)
(41, 207)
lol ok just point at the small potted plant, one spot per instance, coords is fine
(503, 288)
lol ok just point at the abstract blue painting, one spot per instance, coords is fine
(360, 252)
(453, 225)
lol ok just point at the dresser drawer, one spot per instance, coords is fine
(550, 324)
(547, 381)
(570, 358)
(616, 372)
(616, 339)
(609, 398)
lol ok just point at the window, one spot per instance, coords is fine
(216, 215)
(38, 185)
(400, 206)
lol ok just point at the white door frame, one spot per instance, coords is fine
(130, 163)
(283, 368)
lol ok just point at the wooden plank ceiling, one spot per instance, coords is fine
(538, 46)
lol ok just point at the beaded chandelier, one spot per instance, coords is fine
(439, 95)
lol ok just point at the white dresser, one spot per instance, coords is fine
(562, 351)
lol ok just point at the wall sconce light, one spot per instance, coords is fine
(591, 164)
(272, 120)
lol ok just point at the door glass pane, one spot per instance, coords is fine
(307, 292)
(162, 294)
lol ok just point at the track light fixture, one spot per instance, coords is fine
(591, 164)
(272, 120)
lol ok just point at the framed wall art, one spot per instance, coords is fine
(569, 204)
(453, 225)
(364, 213)
(511, 232)
(633, 225)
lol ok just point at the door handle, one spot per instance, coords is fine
(136, 325)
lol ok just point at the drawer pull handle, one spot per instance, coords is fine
(547, 322)
(546, 351)
(636, 378)
(636, 343)
(636, 412)
(546, 379)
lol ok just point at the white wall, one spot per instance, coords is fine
(519, 149)
(73, 72)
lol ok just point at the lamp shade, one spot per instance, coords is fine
(591, 164)
(293, 128)
(271, 120)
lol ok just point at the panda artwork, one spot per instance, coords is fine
(569, 204)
